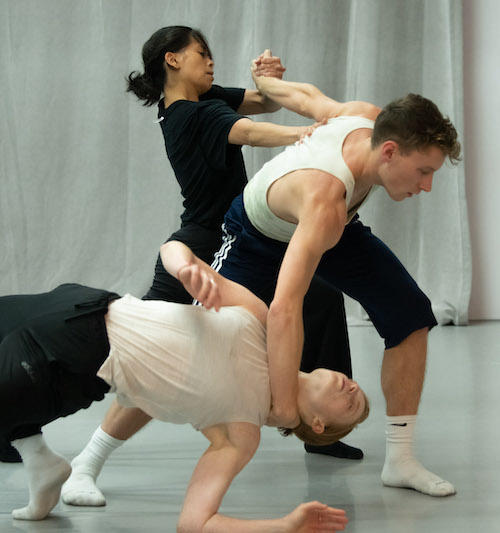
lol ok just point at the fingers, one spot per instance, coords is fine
(326, 518)
(308, 130)
(201, 285)
(208, 292)
(321, 122)
(204, 288)
(268, 65)
(213, 296)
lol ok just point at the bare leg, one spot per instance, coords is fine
(119, 424)
(403, 371)
(123, 422)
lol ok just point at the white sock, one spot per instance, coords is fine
(401, 469)
(81, 489)
(46, 471)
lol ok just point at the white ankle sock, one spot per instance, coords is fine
(401, 469)
(81, 489)
(46, 471)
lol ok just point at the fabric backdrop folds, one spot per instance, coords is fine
(87, 194)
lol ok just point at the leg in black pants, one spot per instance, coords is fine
(33, 392)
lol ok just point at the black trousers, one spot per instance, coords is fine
(326, 341)
(49, 355)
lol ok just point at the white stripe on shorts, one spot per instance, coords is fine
(227, 242)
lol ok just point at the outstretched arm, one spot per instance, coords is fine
(307, 100)
(205, 284)
(229, 452)
(322, 218)
(247, 132)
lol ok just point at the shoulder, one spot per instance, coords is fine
(321, 186)
(232, 96)
(178, 113)
(183, 116)
(359, 109)
(323, 200)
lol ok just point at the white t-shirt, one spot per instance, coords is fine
(183, 364)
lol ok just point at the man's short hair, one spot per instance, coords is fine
(416, 123)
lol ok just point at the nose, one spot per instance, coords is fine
(210, 62)
(426, 183)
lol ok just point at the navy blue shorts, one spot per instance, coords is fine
(360, 265)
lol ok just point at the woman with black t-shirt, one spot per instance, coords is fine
(204, 127)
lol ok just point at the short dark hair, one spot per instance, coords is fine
(149, 86)
(416, 123)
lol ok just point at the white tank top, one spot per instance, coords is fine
(184, 364)
(323, 151)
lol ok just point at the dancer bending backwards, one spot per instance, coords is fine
(204, 127)
(179, 363)
(297, 218)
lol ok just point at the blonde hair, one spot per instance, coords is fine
(331, 434)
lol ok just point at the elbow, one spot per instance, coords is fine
(282, 312)
(252, 135)
(270, 106)
(189, 526)
(280, 307)
(171, 247)
(165, 247)
(306, 94)
(286, 415)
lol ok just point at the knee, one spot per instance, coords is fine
(414, 343)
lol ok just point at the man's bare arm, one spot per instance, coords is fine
(321, 223)
(308, 101)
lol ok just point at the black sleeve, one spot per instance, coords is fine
(231, 95)
(215, 120)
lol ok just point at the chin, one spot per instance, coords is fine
(397, 197)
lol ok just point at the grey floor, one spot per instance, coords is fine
(458, 437)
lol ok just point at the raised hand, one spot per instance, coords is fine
(315, 517)
(268, 65)
(201, 285)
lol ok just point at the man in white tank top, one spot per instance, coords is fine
(298, 218)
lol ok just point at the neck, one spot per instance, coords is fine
(302, 402)
(365, 165)
(178, 91)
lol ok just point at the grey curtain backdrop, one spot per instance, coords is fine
(87, 193)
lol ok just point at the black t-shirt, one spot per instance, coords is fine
(210, 171)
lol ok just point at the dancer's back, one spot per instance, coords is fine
(184, 364)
